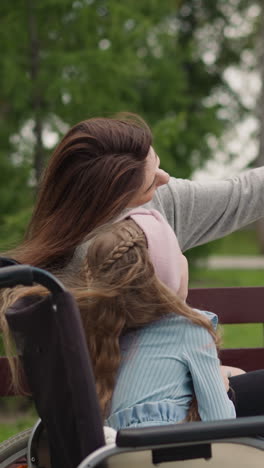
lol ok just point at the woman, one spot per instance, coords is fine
(103, 167)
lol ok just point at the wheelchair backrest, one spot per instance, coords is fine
(50, 340)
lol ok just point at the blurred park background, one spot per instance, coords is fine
(193, 69)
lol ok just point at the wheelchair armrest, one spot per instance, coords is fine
(191, 432)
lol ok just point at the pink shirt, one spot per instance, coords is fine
(169, 263)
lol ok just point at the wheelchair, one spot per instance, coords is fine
(52, 349)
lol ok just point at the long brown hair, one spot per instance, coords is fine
(91, 177)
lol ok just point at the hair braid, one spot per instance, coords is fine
(118, 251)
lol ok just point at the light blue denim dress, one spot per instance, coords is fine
(162, 365)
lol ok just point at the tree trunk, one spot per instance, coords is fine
(260, 110)
(34, 69)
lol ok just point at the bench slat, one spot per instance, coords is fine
(249, 359)
(232, 305)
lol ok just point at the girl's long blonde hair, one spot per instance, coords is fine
(117, 291)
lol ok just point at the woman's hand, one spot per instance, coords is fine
(183, 289)
(228, 372)
(225, 377)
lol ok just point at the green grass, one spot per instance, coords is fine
(220, 278)
(242, 242)
(243, 336)
(10, 428)
(17, 414)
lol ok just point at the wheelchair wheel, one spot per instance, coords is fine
(14, 449)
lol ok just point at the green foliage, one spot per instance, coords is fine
(17, 414)
(13, 228)
(243, 242)
(202, 277)
(15, 202)
(239, 243)
(99, 57)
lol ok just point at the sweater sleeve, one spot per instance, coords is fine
(201, 357)
(201, 212)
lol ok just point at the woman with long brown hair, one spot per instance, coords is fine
(103, 166)
(100, 167)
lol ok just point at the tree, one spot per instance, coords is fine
(98, 57)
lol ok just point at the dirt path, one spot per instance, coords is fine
(227, 262)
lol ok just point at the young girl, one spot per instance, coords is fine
(151, 352)
(172, 269)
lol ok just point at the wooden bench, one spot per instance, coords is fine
(239, 305)
(232, 305)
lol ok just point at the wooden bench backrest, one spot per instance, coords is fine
(234, 306)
